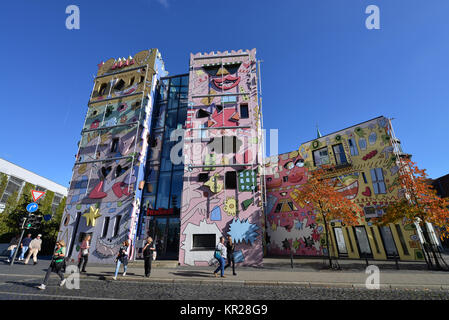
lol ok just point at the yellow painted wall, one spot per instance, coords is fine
(374, 150)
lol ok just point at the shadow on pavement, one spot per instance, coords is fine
(193, 273)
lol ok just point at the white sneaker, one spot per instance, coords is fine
(124, 273)
(42, 287)
(7, 260)
(115, 278)
(62, 283)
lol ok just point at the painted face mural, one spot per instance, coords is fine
(218, 197)
(348, 185)
(222, 76)
(289, 221)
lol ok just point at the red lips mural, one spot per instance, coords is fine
(226, 83)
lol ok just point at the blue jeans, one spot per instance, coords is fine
(125, 266)
(24, 249)
(222, 262)
(11, 254)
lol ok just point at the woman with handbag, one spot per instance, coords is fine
(220, 254)
(122, 257)
(56, 265)
(84, 253)
(148, 251)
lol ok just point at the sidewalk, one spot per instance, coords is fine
(306, 273)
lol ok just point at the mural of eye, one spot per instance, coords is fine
(299, 163)
(289, 165)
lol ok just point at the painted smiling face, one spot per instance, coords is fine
(222, 76)
(348, 185)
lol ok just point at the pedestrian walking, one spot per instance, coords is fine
(25, 245)
(35, 247)
(84, 253)
(148, 250)
(13, 246)
(122, 257)
(56, 265)
(230, 247)
(220, 254)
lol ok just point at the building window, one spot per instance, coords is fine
(102, 89)
(119, 85)
(292, 206)
(278, 208)
(320, 157)
(353, 147)
(244, 113)
(364, 177)
(231, 180)
(203, 177)
(117, 225)
(228, 99)
(105, 227)
(203, 241)
(131, 81)
(378, 181)
(339, 152)
(114, 146)
(285, 178)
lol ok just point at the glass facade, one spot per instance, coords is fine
(161, 200)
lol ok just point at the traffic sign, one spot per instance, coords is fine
(47, 217)
(32, 207)
(36, 194)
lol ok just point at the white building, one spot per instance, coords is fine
(18, 176)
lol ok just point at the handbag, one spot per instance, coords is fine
(217, 254)
(154, 255)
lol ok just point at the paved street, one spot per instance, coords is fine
(23, 288)
(273, 282)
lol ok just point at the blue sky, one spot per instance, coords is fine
(321, 66)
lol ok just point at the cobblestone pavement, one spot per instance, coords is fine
(23, 288)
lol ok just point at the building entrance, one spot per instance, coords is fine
(165, 233)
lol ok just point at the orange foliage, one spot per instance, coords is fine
(420, 200)
(320, 194)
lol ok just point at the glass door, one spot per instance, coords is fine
(159, 237)
(165, 233)
(388, 241)
(363, 242)
(172, 239)
(341, 245)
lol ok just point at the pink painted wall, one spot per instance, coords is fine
(208, 207)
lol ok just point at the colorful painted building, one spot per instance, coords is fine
(365, 161)
(106, 187)
(179, 158)
(222, 151)
(161, 201)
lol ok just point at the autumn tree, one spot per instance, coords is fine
(419, 204)
(320, 194)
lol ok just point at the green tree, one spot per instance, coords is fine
(3, 182)
(49, 229)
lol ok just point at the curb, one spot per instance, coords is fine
(242, 283)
